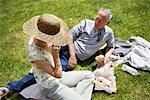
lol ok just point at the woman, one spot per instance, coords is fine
(47, 33)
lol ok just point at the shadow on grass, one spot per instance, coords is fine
(89, 64)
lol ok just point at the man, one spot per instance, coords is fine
(86, 39)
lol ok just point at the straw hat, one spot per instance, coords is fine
(48, 28)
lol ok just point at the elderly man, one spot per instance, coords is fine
(86, 39)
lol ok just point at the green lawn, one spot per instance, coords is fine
(130, 18)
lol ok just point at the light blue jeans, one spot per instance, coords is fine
(74, 85)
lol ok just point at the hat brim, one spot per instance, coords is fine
(60, 39)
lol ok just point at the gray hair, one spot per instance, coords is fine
(108, 13)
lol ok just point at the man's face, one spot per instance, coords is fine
(101, 20)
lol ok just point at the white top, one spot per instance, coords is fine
(36, 53)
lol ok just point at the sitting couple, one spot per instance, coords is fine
(47, 33)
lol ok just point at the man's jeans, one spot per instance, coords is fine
(18, 86)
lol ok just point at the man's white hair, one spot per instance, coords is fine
(108, 13)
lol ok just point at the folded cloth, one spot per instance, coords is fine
(139, 41)
(34, 92)
(121, 43)
(104, 71)
(122, 51)
(105, 79)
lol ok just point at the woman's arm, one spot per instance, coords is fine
(45, 66)
(57, 68)
(48, 68)
(75, 32)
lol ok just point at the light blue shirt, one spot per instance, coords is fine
(88, 40)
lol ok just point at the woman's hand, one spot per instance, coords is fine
(55, 50)
(55, 53)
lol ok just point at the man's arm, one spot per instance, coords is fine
(72, 59)
(110, 46)
(108, 53)
(75, 32)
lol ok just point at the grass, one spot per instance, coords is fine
(130, 18)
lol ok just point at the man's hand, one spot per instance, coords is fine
(72, 62)
(100, 64)
(100, 60)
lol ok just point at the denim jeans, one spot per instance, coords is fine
(18, 86)
(64, 57)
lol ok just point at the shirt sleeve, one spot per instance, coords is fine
(77, 29)
(35, 53)
(111, 40)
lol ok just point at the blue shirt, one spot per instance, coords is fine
(88, 40)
